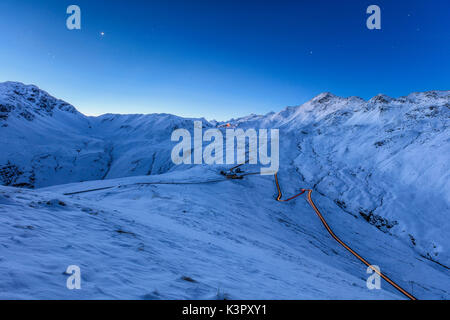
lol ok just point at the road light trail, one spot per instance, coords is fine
(335, 237)
(309, 199)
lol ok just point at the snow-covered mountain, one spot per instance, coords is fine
(386, 160)
(379, 168)
(47, 141)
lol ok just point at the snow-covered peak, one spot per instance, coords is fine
(437, 96)
(28, 102)
(324, 97)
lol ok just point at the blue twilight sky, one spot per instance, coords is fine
(222, 59)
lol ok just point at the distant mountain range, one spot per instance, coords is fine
(384, 160)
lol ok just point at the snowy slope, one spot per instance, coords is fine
(47, 142)
(211, 240)
(378, 168)
(385, 160)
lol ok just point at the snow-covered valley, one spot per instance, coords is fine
(379, 170)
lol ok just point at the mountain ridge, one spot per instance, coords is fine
(382, 160)
(321, 98)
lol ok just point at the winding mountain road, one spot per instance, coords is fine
(335, 237)
(279, 196)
